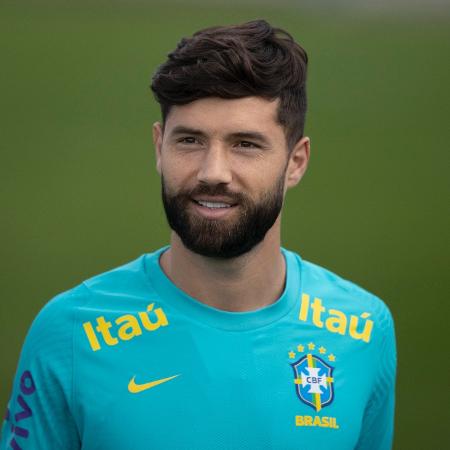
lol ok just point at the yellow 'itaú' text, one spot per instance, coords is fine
(335, 320)
(124, 328)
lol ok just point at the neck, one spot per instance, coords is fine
(245, 283)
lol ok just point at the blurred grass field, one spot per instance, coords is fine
(79, 193)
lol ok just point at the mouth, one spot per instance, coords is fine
(214, 202)
(213, 205)
(213, 209)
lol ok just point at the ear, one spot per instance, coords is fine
(157, 142)
(298, 162)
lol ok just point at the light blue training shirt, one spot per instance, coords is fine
(126, 360)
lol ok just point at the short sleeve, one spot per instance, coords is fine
(39, 414)
(378, 423)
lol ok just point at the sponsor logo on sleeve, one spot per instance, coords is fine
(18, 420)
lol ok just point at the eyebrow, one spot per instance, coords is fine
(180, 129)
(251, 135)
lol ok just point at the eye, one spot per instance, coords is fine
(247, 144)
(188, 140)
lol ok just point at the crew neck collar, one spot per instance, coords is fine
(217, 318)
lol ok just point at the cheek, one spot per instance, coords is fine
(266, 177)
(177, 173)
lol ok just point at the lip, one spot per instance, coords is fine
(214, 199)
(213, 213)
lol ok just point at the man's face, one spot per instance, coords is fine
(223, 166)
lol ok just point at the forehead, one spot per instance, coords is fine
(217, 116)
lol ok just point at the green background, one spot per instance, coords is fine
(79, 193)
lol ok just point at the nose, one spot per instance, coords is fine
(215, 166)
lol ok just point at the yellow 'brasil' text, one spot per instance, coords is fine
(335, 321)
(129, 327)
(316, 421)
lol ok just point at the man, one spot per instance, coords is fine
(222, 340)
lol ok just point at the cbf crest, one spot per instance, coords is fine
(313, 375)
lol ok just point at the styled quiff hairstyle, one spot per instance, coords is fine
(252, 59)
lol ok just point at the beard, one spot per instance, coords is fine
(223, 238)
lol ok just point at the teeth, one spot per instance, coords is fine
(213, 204)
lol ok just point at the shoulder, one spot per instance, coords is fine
(329, 300)
(52, 326)
(323, 282)
(55, 318)
(121, 278)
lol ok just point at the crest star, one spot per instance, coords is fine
(322, 350)
(300, 348)
(311, 346)
(331, 357)
(291, 355)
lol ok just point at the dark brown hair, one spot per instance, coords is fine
(252, 59)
